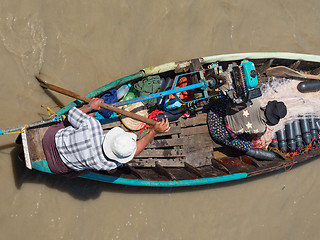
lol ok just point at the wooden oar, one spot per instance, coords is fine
(282, 71)
(103, 105)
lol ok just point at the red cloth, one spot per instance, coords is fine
(263, 140)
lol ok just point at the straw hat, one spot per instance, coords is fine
(138, 108)
(119, 145)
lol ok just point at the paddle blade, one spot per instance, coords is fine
(41, 82)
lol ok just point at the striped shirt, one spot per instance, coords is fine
(80, 145)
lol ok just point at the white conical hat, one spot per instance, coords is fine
(119, 145)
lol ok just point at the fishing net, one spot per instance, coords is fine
(298, 104)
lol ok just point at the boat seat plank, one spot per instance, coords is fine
(315, 71)
(218, 165)
(164, 171)
(295, 65)
(255, 162)
(262, 69)
(137, 173)
(193, 170)
(34, 136)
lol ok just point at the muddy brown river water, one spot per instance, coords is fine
(81, 45)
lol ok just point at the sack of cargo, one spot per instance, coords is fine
(147, 86)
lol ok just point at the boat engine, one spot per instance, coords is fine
(240, 81)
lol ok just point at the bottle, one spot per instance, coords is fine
(123, 90)
(291, 136)
(318, 124)
(282, 141)
(297, 130)
(305, 129)
(309, 86)
(313, 129)
(318, 128)
(132, 94)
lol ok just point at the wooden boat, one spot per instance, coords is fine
(187, 155)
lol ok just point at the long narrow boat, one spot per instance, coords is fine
(187, 155)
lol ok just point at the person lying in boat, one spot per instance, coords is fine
(234, 125)
(82, 146)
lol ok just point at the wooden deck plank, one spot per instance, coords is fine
(161, 153)
(173, 130)
(200, 157)
(201, 140)
(201, 119)
(163, 143)
(195, 130)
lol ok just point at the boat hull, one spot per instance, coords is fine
(188, 174)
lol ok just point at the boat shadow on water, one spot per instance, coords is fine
(84, 189)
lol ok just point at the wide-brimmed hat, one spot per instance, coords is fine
(275, 111)
(132, 124)
(119, 145)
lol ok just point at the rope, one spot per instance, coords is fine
(51, 119)
(303, 151)
(49, 110)
(16, 132)
(154, 115)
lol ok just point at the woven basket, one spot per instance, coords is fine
(132, 124)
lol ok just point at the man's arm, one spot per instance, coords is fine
(94, 104)
(160, 127)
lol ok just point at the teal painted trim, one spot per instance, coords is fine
(102, 89)
(261, 55)
(41, 166)
(175, 183)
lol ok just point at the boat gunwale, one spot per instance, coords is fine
(172, 65)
